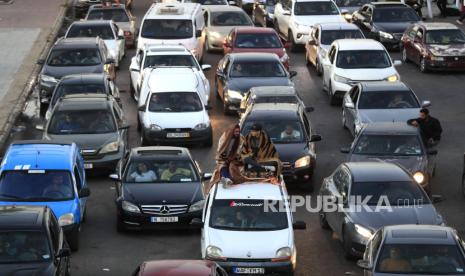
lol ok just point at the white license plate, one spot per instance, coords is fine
(164, 219)
(88, 165)
(249, 270)
(177, 135)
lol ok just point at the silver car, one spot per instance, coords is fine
(414, 250)
(379, 101)
(372, 195)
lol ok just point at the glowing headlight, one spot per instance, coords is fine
(155, 127)
(392, 78)
(201, 126)
(129, 207)
(197, 206)
(302, 162)
(110, 147)
(419, 177)
(435, 58)
(362, 231)
(385, 35)
(233, 94)
(214, 252)
(66, 219)
(46, 78)
(341, 79)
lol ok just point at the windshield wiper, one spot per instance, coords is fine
(10, 196)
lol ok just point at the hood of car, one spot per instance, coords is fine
(177, 119)
(60, 71)
(447, 50)
(162, 193)
(387, 115)
(87, 141)
(27, 269)
(310, 20)
(392, 27)
(411, 163)
(249, 244)
(366, 74)
(244, 84)
(291, 152)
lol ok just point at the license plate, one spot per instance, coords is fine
(164, 219)
(249, 270)
(88, 166)
(177, 135)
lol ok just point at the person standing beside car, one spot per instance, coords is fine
(430, 127)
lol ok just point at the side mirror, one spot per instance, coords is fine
(114, 177)
(397, 62)
(196, 223)
(125, 126)
(309, 109)
(207, 176)
(364, 264)
(40, 127)
(207, 107)
(345, 150)
(301, 225)
(206, 67)
(292, 74)
(315, 138)
(349, 105)
(432, 151)
(41, 61)
(425, 104)
(84, 192)
(232, 3)
(109, 61)
(198, 33)
(142, 108)
(64, 252)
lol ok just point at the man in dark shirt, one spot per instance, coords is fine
(430, 128)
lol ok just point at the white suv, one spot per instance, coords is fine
(158, 56)
(243, 235)
(294, 18)
(173, 111)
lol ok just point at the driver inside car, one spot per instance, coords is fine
(398, 102)
(58, 188)
(173, 170)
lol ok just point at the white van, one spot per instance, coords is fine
(174, 23)
(243, 236)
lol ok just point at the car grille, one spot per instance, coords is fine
(178, 129)
(287, 165)
(164, 210)
(238, 260)
(85, 152)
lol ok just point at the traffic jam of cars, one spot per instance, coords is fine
(241, 210)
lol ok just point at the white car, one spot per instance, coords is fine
(350, 61)
(107, 30)
(158, 56)
(294, 18)
(172, 109)
(243, 236)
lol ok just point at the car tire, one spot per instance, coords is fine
(323, 222)
(423, 67)
(404, 55)
(347, 244)
(73, 239)
(290, 40)
(332, 98)
(120, 228)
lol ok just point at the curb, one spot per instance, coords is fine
(24, 84)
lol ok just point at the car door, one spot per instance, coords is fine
(222, 75)
(328, 66)
(312, 44)
(332, 197)
(350, 105)
(418, 48)
(135, 69)
(308, 130)
(341, 216)
(120, 40)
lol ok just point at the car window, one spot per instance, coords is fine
(257, 69)
(395, 193)
(332, 54)
(102, 31)
(77, 176)
(65, 122)
(24, 247)
(395, 14)
(356, 59)
(74, 57)
(175, 102)
(279, 131)
(389, 145)
(315, 8)
(351, 3)
(257, 40)
(55, 230)
(388, 100)
(329, 36)
(230, 18)
(161, 171)
(117, 15)
(167, 29)
(445, 37)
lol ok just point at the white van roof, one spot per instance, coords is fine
(172, 10)
(166, 79)
(252, 190)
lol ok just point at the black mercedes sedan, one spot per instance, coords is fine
(158, 187)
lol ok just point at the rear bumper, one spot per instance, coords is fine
(105, 161)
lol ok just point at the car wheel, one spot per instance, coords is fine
(344, 122)
(347, 245)
(209, 141)
(290, 40)
(332, 97)
(423, 67)
(323, 222)
(404, 55)
(120, 228)
(73, 239)
(319, 70)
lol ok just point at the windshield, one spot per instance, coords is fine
(82, 122)
(276, 99)
(424, 259)
(388, 100)
(117, 15)
(406, 145)
(257, 69)
(328, 37)
(400, 14)
(246, 215)
(315, 8)
(68, 89)
(170, 60)
(351, 3)
(175, 102)
(208, 2)
(363, 59)
(24, 247)
(280, 132)
(74, 57)
(102, 31)
(396, 193)
(258, 41)
(36, 185)
(230, 18)
(160, 171)
(167, 29)
(445, 37)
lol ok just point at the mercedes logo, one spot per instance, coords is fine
(164, 209)
(249, 254)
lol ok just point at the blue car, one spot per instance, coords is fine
(47, 173)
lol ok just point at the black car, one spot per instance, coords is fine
(262, 13)
(158, 187)
(289, 128)
(72, 56)
(32, 242)
(83, 84)
(238, 72)
(385, 21)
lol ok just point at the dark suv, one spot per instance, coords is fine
(32, 242)
(290, 130)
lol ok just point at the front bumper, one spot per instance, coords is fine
(215, 44)
(105, 161)
(448, 64)
(232, 103)
(297, 175)
(393, 43)
(271, 268)
(141, 221)
(195, 136)
(301, 37)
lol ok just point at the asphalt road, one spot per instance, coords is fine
(104, 251)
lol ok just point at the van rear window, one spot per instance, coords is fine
(167, 29)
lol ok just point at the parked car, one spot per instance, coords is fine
(47, 173)
(434, 46)
(121, 16)
(158, 187)
(385, 21)
(238, 72)
(179, 268)
(253, 39)
(375, 184)
(96, 123)
(33, 242)
(290, 129)
(417, 249)
(263, 13)
(350, 61)
(322, 36)
(370, 102)
(72, 56)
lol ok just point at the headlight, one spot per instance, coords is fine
(284, 253)
(419, 177)
(385, 35)
(110, 147)
(362, 231)
(129, 207)
(341, 79)
(201, 126)
(435, 58)
(284, 58)
(155, 127)
(392, 78)
(197, 206)
(46, 78)
(214, 35)
(302, 162)
(214, 252)
(233, 94)
(66, 219)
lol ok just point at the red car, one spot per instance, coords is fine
(179, 268)
(255, 39)
(434, 46)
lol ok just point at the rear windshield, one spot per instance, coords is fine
(171, 60)
(258, 41)
(74, 57)
(230, 18)
(167, 29)
(117, 15)
(102, 31)
(82, 122)
(400, 14)
(388, 100)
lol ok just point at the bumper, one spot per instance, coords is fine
(215, 44)
(134, 221)
(390, 43)
(449, 64)
(339, 89)
(105, 161)
(195, 136)
(232, 103)
(292, 174)
(271, 268)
